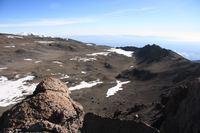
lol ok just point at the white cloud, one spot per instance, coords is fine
(190, 56)
(119, 12)
(51, 22)
(143, 9)
(54, 5)
(100, 3)
(184, 54)
(173, 35)
(127, 10)
(39, 23)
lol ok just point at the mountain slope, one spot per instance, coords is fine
(106, 81)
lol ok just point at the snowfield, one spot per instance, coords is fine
(118, 51)
(116, 88)
(12, 91)
(84, 84)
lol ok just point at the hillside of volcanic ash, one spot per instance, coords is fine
(49, 109)
(122, 84)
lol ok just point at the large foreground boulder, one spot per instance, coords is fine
(49, 109)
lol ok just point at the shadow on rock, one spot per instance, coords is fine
(96, 124)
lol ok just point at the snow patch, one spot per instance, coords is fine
(9, 36)
(54, 74)
(38, 62)
(84, 59)
(33, 34)
(28, 59)
(44, 42)
(116, 88)
(89, 44)
(10, 46)
(100, 53)
(120, 51)
(83, 72)
(3, 68)
(28, 34)
(17, 76)
(12, 91)
(64, 76)
(57, 62)
(84, 84)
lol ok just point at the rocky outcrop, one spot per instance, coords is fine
(183, 110)
(97, 124)
(128, 48)
(136, 74)
(151, 53)
(49, 109)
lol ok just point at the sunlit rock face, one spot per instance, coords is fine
(50, 109)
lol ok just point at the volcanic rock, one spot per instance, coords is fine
(96, 124)
(152, 53)
(182, 110)
(49, 109)
(129, 48)
(136, 74)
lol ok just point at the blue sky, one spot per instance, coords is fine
(170, 21)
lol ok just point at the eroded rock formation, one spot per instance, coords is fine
(183, 110)
(49, 109)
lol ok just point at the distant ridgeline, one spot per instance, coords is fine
(197, 61)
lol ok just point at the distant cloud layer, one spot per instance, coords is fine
(128, 10)
(169, 35)
(50, 22)
(191, 56)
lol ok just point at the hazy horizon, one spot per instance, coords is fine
(172, 24)
(191, 53)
